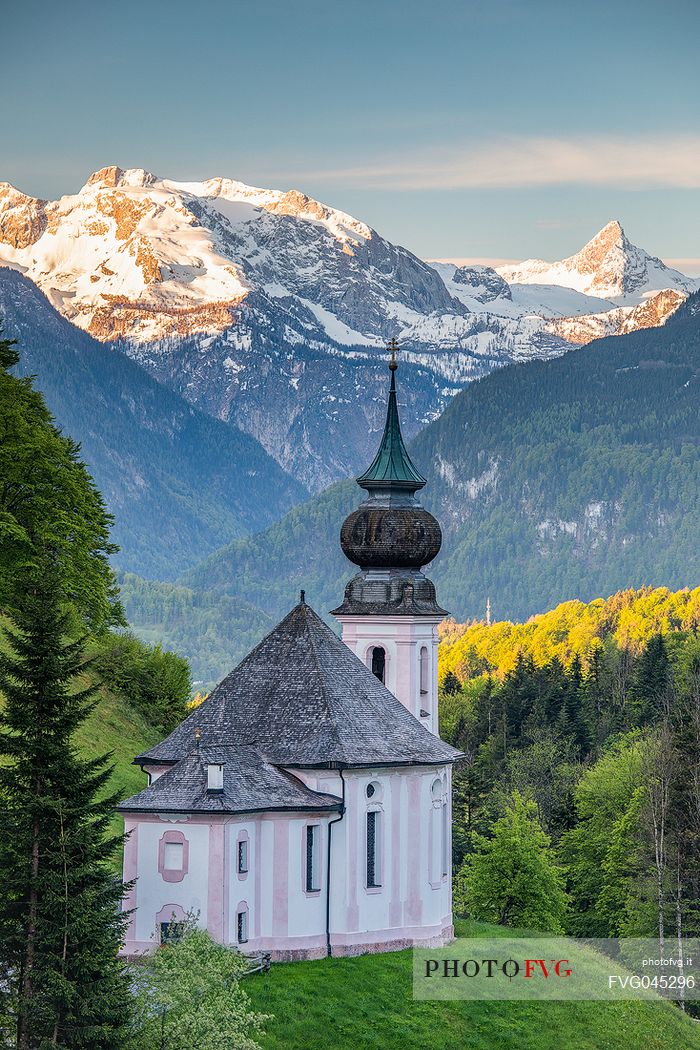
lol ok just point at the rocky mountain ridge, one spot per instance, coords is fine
(270, 310)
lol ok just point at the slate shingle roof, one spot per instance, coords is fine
(302, 698)
(250, 785)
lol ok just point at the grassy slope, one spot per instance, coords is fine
(115, 727)
(366, 1004)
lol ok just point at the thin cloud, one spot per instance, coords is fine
(629, 162)
(475, 260)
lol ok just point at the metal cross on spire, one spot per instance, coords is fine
(393, 346)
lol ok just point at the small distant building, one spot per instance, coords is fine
(304, 808)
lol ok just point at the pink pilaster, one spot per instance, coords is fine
(257, 900)
(395, 904)
(215, 889)
(415, 854)
(353, 847)
(280, 878)
(131, 850)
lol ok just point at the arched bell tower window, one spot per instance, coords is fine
(423, 671)
(378, 662)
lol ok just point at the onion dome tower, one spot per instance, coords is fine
(390, 613)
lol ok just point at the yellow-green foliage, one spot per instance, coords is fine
(628, 619)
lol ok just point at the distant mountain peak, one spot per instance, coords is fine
(612, 231)
(608, 266)
(113, 176)
(609, 251)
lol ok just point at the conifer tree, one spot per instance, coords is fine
(649, 692)
(61, 984)
(451, 684)
(60, 924)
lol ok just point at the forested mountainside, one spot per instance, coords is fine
(178, 482)
(626, 621)
(571, 478)
(574, 478)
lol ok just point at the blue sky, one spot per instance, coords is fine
(472, 130)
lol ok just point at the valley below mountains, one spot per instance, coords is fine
(570, 478)
(219, 353)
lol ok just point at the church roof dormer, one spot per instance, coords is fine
(392, 468)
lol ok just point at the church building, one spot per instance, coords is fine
(304, 809)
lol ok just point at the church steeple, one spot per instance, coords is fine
(392, 469)
(391, 535)
(390, 611)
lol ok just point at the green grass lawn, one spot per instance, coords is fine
(366, 1002)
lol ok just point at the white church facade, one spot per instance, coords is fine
(304, 809)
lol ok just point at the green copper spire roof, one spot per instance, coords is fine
(392, 468)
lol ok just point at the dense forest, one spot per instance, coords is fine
(570, 478)
(624, 622)
(582, 763)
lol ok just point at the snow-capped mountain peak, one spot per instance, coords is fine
(608, 266)
(271, 309)
(138, 256)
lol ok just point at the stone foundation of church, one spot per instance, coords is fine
(399, 944)
(363, 947)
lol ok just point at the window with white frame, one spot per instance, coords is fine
(242, 856)
(374, 849)
(437, 832)
(313, 857)
(173, 856)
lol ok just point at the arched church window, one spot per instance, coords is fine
(423, 671)
(378, 663)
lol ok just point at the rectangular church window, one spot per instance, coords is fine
(242, 856)
(313, 865)
(173, 856)
(374, 875)
(171, 932)
(242, 926)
